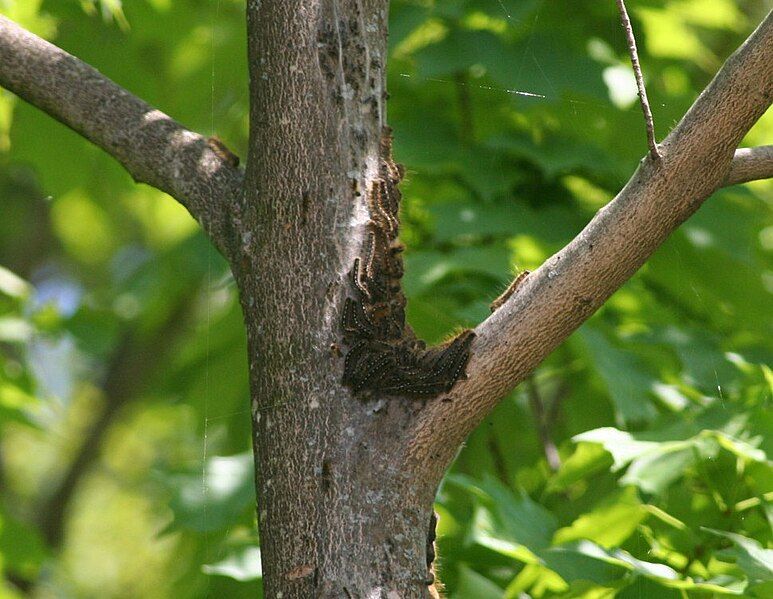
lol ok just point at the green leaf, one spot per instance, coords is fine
(686, 268)
(538, 65)
(21, 547)
(755, 561)
(13, 285)
(642, 588)
(505, 521)
(16, 404)
(555, 154)
(584, 560)
(426, 269)
(655, 465)
(626, 377)
(454, 220)
(655, 472)
(587, 459)
(432, 320)
(15, 330)
(242, 564)
(459, 50)
(621, 445)
(403, 20)
(472, 584)
(610, 523)
(218, 498)
(536, 578)
(740, 448)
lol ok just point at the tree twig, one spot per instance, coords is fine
(553, 301)
(642, 90)
(467, 127)
(554, 408)
(543, 426)
(152, 147)
(497, 457)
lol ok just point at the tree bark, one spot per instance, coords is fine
(336, 518)
(750, 164)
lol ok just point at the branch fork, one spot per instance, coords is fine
(697, 158)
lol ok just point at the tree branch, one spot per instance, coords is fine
(543, 424)
(565, 291)
(152, 147)
(750, 164)
(642, 90)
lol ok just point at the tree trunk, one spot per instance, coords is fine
(336, 519)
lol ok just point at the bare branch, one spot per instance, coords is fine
(543, 424)
(153, 147)
(557, 298)
(634, 53)
(750, 164)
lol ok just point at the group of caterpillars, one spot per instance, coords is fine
(384, 356)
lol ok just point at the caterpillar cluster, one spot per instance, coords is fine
(435, 586)
(384, 356)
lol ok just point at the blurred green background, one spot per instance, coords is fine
(634, 463)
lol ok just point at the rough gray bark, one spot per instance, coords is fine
(345, 487)
(337, 518)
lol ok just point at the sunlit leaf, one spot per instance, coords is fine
(755, 560)
(587, 459)
(215, 498)
(15, 330)
(13, 285)
(654, 472)
(243, 564)
(622, 446)
(610, 523)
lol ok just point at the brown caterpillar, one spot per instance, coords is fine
(221, 150)
(384, 356)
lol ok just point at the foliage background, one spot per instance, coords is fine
(124, 448)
